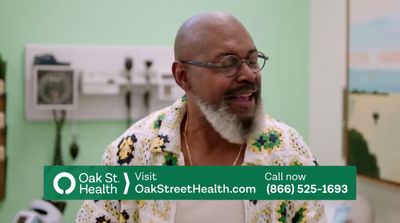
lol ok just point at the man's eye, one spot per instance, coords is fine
(229, 61)
(253, 62)
(253, 59)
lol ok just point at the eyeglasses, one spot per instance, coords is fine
(230, 64)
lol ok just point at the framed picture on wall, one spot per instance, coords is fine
(372, 115)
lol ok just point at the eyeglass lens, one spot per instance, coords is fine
(232, 63)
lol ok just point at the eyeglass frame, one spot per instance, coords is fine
(220, 66)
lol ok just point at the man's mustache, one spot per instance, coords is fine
(242, 89)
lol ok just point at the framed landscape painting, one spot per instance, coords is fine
(372, 115)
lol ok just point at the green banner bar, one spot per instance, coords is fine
(200, 182)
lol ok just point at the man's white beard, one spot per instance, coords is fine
(227, 124)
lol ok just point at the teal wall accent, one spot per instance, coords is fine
(279, 28)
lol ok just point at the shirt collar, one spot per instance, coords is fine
(168, 123)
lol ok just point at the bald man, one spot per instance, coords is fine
(219, 121)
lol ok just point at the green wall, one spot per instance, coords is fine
(279, 28)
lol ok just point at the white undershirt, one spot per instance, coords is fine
(200, 211)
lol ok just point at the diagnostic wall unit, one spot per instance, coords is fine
(104, 76)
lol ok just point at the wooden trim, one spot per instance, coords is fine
(346, 89)
(380, 181)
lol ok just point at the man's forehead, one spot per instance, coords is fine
(204, 32)
(227, 39)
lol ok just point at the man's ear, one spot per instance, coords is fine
(180, 75)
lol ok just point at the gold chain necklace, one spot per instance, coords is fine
(188, 149)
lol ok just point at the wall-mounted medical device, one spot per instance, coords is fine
(101, 83)
(167, 87)
(55, 87)
(94, 81)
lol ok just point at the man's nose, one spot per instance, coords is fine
(246, 74)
